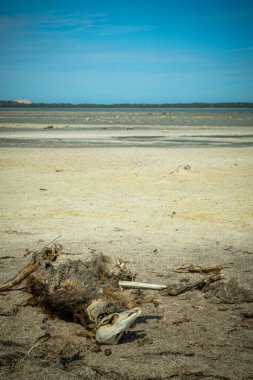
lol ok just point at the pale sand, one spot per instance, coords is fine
(133, 203)
(117, 198)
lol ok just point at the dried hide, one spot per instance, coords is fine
(66, 290)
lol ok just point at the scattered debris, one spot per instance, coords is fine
(175, 290)
(124, 271)
(40, 340)
(197, 269)
(6, 257)
(49, 127)
(182, 169)
(16, 232)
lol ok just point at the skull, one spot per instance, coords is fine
(111, 327)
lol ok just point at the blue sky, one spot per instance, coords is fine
(141, 51)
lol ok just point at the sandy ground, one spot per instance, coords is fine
(148, 207)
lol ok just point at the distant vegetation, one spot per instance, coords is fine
(15, 104)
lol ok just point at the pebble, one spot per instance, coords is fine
(107, 352)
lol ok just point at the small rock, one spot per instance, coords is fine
(107, 352)
(187, 167)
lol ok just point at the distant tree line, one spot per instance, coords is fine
(14, 104)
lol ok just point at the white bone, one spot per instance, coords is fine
(140, 285)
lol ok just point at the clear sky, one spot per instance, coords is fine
(140, 51)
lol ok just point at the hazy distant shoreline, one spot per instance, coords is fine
(29, 104)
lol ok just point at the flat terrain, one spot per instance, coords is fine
(156, 208)
(19, 118)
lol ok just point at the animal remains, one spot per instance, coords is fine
(88, 293)
(85, 292)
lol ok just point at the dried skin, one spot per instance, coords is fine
(20, 276)
(49, 254)
(68, 289)
(197, 269)
(173, 290)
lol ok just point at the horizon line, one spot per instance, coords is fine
(27, 103)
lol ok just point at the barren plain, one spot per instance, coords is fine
(159, 190)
